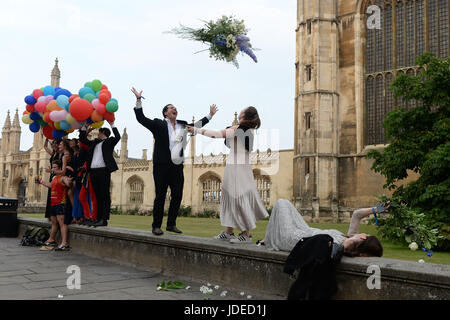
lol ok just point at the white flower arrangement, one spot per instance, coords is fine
(413, 246)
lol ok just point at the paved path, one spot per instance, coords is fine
(29, 274)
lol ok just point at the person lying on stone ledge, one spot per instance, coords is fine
(287, 227)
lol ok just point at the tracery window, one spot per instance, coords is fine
(409, 28)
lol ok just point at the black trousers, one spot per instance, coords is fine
(167, 175)
(101, 181)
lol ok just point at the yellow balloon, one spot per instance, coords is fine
(57, 126)
(97, 125)
(26, 119)
(70, 119)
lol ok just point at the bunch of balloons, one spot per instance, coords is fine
(59, 112)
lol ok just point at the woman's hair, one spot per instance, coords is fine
(251, 118)
(58, 163)
(371, 247)
(66, 144)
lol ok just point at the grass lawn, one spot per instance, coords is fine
(209, 227)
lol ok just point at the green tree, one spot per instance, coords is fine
(419, 141)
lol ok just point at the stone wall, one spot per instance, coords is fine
(247, 266)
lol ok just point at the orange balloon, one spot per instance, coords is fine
(53, 106)
(47, 117)
(96, 117)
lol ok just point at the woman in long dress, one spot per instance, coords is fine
(240, 205)
(286, 227)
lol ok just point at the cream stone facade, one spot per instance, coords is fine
(344, 66)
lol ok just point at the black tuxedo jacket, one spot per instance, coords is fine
(158, 127)
(107, 149)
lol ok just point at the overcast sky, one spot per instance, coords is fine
(123, 44)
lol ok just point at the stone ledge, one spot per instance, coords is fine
(248, 266)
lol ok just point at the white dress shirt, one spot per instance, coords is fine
(97, 157)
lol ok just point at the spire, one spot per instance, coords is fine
(123, 146)
(16, 122)
(235, 121)
(7, 121)
(55, 75)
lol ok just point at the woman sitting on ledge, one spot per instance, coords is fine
(286, 227)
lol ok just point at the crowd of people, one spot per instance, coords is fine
(80, 176)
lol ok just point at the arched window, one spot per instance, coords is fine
(409, 28)
(136, 190)
(263, 186)
(211, 189)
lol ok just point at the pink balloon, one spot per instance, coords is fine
(76, 125)
(101, 109)
(53, 115)
(40, 106)
(60, 115)
(48, 99)
(42, 98)
(95, 103)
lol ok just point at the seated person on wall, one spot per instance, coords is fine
(287, 227)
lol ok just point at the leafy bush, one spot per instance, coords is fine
(419, 141)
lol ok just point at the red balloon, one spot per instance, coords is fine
(40, 106)
(30, 108)
(37, 93)
(73, 97)
(80, 109)
(25, 112)
(103, 97)
(46, 117)
(109, 116)
(107, 92)
(47, 130)
(104, 86)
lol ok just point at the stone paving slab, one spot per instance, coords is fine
(29, 274)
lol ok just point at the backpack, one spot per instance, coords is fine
(34, 236)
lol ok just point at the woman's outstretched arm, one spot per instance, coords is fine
(225, 133)
(362, 213)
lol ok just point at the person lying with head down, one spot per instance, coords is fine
(286, 227)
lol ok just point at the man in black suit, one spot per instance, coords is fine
(100, 163)
(168, 155)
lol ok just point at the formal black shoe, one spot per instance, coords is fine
(173, 229)
(157, 231)
(100, 223)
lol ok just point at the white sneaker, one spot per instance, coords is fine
(225, 236)
(242, 239)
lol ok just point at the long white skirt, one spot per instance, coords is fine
(286, 227)
(241, 205)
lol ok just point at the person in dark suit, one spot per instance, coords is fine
(100, 163)
(168, 155)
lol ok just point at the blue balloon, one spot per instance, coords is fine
(63, 101)
(62, 92)
(64, 125)
(49, 91)
(89, 121)
(35, 116)
(84, 91)
(58, 134)
(30, 99)
(35, 127)
(112, 99)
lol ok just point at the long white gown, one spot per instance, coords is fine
(240, 205)
(286, 227)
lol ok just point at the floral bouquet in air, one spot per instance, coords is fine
(226, 38)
